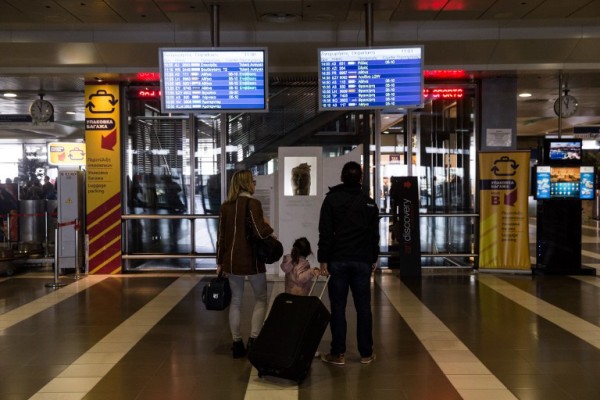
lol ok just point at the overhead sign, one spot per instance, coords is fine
(23, 121)
(586, 131)
(370, 78)
(214, 79)
(66, 153)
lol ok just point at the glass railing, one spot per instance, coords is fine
(161, 241)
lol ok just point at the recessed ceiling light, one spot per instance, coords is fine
(71, 112)
(525, 94)
(280, 17)
(7, 94)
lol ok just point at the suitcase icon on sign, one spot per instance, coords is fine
(101, 102)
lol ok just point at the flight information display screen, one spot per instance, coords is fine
(370, 78)
(213, 80)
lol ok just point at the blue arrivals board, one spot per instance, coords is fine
(371, 78)
(213, 79)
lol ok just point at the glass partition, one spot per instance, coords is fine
(442, 143)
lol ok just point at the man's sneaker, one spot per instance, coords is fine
(335, 359)
(367, 360)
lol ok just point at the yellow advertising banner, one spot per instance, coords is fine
(504, 225)
(103, 178)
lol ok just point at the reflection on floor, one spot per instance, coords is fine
(446, 336)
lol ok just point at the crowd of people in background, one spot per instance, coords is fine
(31, 189)
(13, 190)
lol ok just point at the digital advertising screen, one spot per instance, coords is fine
(213, 79)
(564, 182)
(563, 151)
(370, 78)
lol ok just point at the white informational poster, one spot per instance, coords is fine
(498, 137)
(304, 179)
(300, 197)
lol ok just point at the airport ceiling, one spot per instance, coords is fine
(54, 46)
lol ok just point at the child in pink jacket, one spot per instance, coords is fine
(298, 273)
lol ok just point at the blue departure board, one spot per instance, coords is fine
(213, 79)
(371, 78)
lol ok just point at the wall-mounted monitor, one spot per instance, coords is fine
(213, 79)
(370, 78)
(564, 182)
(563, 151)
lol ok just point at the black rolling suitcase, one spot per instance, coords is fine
(290, 336)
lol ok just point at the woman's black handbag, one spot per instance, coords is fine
(267, 250)
(216, 295)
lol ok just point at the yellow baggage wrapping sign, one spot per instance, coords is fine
(504, 225)
(103, 178)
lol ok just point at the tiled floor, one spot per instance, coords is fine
(446, 336)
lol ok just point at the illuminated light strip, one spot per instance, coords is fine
(444, 93)
(445, 74)
(148, 76)
(148, 94)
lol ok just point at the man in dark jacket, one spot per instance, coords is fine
(348, 250)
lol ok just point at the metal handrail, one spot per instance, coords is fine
(433, 215)
(194, 255)
(168, 216)
(158, 256)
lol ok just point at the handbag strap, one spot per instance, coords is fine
(247, 219)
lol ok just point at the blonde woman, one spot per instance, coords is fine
(235, 257)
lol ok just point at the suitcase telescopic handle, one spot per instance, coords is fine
(314, 284)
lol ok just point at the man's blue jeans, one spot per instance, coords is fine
(355, 276)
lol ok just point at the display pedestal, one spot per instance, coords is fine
(558, 244)
(406, 235)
